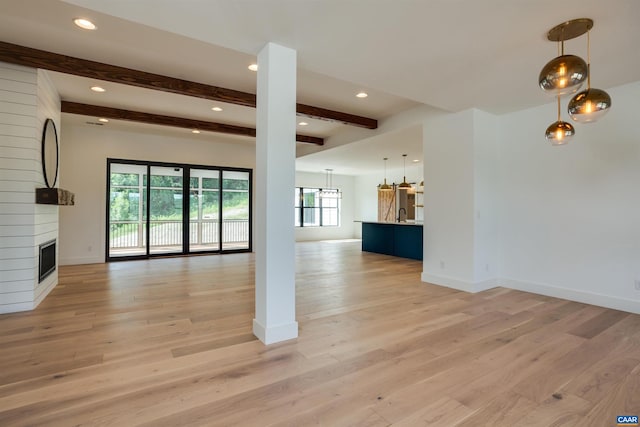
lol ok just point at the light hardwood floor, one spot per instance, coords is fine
(168, 342)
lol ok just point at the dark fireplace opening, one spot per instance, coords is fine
(47, 259)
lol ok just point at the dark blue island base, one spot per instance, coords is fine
(390, 238)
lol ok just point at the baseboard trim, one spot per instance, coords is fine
(631, 306)
(461, 285)
(628, 305)
(274, 334)
(81, 260)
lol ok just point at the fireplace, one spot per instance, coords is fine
(47, 259)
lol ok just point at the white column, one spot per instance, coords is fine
(275, 180)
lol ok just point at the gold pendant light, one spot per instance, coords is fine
(565, 73)
(559, 132)
(404, 185)
(385, 186)
(590, 104)
(562, 75)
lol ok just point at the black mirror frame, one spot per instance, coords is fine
(47, 123)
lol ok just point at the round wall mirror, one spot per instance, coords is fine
(50, 153)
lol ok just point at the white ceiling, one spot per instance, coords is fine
(366, 156)
(449, 54)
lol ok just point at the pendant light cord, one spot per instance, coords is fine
(588, 59)
(404, 168)
(385, 169)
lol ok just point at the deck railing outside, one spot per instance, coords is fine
(131, 234)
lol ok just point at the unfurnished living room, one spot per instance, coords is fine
(337, 213)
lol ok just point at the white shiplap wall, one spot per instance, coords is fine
(19, 148)
(26, 98)
(46, 216)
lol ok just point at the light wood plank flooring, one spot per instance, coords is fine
(168, 342)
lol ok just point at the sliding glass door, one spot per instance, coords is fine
(235, 210)
(165, 209)
(127, 210)
(204, 210)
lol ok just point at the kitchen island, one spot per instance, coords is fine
(401, 239)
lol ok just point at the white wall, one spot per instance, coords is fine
(449, 200)
(347, 227)
(84, 152)
(27, 99)
(486, 184)
(570, 220)
(366, 206)
(504, 207)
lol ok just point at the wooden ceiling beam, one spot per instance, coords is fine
(30, 57)
(335, 116)
(158, 119)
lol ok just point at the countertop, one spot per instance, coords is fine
(392, 223)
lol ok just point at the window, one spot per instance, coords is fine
(312, 210)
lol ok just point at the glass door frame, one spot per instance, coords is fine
(219, 218)
(186, 220)
(157, 189)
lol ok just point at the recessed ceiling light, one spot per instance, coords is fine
(103, 120)
(195, 131)
(362, 94)
(98, 89)
(253, 67)
(216, 108)
(303, 123)
(416, 160)
(84, 24)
